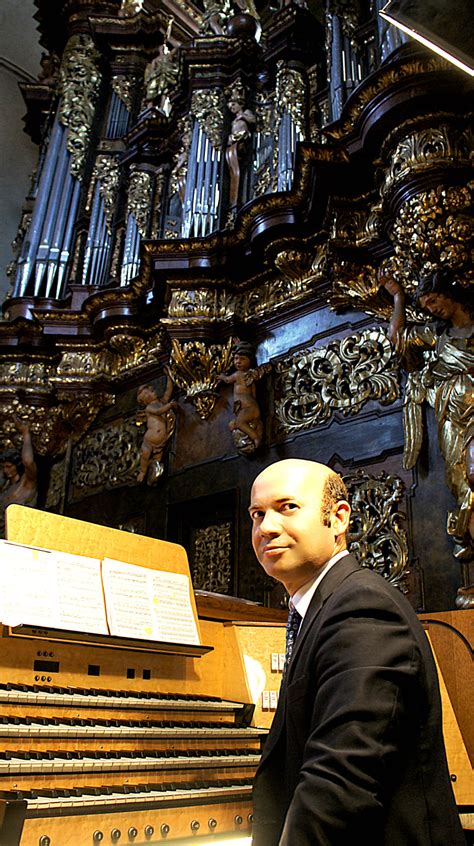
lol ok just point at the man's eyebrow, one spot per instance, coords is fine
(278, 501)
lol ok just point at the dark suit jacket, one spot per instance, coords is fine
(356, 750)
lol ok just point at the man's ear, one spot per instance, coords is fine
(340, 517)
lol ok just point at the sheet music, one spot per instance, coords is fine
(148, 604)
(53, 589)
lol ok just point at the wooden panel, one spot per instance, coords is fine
(53, 531)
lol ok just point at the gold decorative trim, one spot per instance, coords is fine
(79, 80)
(343, 376)
(195, 369)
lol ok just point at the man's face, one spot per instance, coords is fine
(288, 535)
(9, 470)
(438, 305)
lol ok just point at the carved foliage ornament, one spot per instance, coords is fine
(200, 304)
(299, 272)
(290, 95)
(139, 199)
(53, 426)
(376, 535)
(123, 88)
(340, 377)
(212, 565)
(79, 80)
(195, 369)
(433, 229)
(422, 149)
(207, 106)
(107, 175)
(106, 458)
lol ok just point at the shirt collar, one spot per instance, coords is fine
(303, 596)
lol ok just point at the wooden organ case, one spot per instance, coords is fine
(111, 741)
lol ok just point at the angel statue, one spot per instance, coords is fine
(160, 424)
(247, 425)
(439, 359)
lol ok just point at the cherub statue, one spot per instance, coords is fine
(160, 422)
(20, 473)
(247, 426)
(439, 359)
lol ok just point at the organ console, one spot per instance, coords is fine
(114, 741)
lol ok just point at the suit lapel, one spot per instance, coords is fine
(331, 581)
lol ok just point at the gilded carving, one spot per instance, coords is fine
(65, 417)
(383, 81)
(376, 534)
(424, 148)
(198, 304)
(290, 95)
(106, 458)
(342, 376)
(79, 80)
(56, 486)
(299, 271)
(355, 227)
(212, 559)
(123, 88)
(195, 368)
(434, 228)
(207, 106)
(139, 198)
(107, 175)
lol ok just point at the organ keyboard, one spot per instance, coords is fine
(105, 744)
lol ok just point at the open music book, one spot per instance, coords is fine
(43, 587)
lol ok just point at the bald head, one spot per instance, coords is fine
(300, 516)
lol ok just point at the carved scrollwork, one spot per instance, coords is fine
(355, 227)
(300, 271)
(79, 80)
(424, 148)
(207, 106)
(106, 458)
(376, 535)
(340, 377)
(195, 369)
(53, 425)
(212, 564)
(201, 304)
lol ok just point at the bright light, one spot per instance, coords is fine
(389, 16)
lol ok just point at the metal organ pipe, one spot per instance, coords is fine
(32, 239)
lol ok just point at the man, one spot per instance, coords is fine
(355, 752)
(20, 474)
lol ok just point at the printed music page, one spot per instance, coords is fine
(148, 604)
(42, 587)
